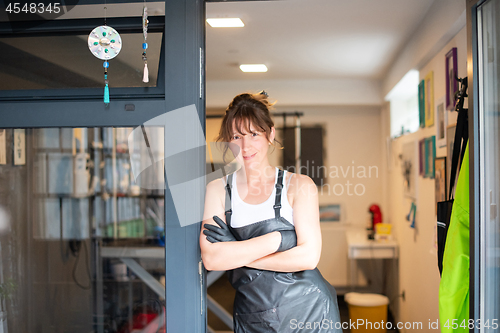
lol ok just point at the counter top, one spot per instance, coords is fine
(360, 247)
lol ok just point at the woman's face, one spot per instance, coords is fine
(251, 148)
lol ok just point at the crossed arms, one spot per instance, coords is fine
(261, 252)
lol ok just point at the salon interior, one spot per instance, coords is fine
(108, 115)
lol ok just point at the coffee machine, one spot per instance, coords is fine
(375, 219)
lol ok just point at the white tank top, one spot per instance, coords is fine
(244, 214)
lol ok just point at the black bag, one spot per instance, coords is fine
(444, 207)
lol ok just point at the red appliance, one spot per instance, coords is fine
(376, 215)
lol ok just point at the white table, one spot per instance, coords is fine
(360, 247)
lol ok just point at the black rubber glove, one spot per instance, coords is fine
(288, 240)
(218, 234)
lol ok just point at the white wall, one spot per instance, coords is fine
(335, 91)
(443, 21)
(352, 140)
(418, 271)
(351, 143)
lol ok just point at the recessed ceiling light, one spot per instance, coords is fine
(253, 68)
(225, 22)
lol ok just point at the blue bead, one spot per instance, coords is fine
(144, 45)
(105, 64)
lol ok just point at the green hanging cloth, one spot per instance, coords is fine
(454, 286)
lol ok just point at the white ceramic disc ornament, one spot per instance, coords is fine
(104, 42)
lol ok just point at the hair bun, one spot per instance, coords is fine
(239, 99)
(257, 100)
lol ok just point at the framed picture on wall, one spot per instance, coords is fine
(19, 146)
(451, 78)
(421, 157)
(330, 213)
(430, 156)
(421, 103)
(429, 99)
(440, 179)
(441, 122)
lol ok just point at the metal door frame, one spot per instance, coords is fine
(474, 164)
(184, 84)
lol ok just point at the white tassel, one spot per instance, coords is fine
(145, 78)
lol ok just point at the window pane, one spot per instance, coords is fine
(81, 240)
(58, 62)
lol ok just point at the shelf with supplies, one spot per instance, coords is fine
(126, 262)
(129, 220)
(89, 171)
(133, 252)
(94, 207)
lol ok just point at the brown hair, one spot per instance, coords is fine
(245, 110)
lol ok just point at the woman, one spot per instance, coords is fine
(261, 224)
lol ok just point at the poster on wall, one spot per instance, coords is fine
(429, 99)
(430, 156)
(421, 158)
(409, 169)
(330, 213)
(19, 147)
(441, 122)
(451, 78)
(421, 103)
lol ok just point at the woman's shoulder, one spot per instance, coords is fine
(297, 179)
(300, 185)
(216, 185)
(215, 190)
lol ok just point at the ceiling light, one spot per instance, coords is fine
(253, 68)
(225, 22)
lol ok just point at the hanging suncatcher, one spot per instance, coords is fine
(105, 43)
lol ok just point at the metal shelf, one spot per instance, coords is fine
(133, 252)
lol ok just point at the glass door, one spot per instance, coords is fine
(82, 241)
(488, 99)
(80, 245)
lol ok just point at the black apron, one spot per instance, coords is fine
(268, 301)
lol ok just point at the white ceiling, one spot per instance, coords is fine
(310, 40)
(319, 52)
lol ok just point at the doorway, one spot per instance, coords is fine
(54, 106)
